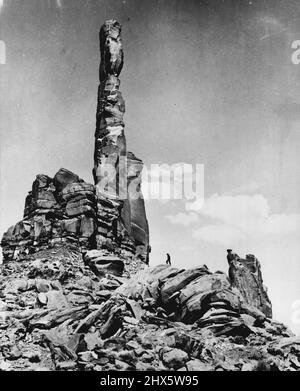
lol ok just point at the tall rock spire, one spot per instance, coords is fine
(115, 169)
(110, 143)
(109, 216)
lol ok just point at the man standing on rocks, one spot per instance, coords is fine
(168, 261)
(231, 256)
(148, 254)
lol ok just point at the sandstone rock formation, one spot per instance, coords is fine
(245, 275)
(75, 293)
(110, 143)
(133, 212)
(56, 210)
(196, 296)
(58, 312)
(109, 215)
(117, 173)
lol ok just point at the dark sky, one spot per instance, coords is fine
(208, 82)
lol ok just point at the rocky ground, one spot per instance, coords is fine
(76, 292)
(57, 312)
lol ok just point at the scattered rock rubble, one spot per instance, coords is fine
(57, 312)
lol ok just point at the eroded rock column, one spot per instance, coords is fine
(121, 217)
(110, 144)
(245, 275)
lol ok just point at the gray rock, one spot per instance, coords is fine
(197, 365)
(174, 358)
(64, 177)
(42, 298)
(87, 356)
(66, 365)
(103, 263)
(245, 274)
(180, 281)
(56, 300)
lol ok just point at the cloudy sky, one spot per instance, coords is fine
(205, 82)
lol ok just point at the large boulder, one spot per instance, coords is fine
(147, 282)
(174, 358)
(102, 263)
(192, 296)
(64, 177)
(245, 275)
(180, 281)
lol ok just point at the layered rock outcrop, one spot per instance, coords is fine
(109, 215)
(245, 275)
(196, 296)
(57, 210)
(60, 312)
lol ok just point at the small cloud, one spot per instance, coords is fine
(184, 219)
(232, 208)
(220, 234)
(241, 216)
(195, 205)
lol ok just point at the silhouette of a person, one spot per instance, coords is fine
(148, 252)
(168, 261)
(231, 256)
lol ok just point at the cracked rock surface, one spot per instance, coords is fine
(58, 313)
